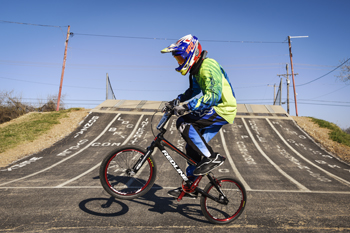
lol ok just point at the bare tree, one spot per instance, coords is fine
(51, 103)
(347, 130)
(11, 106)
(345, 72)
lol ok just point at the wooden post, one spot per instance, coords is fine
(63, 67)
(291, 66)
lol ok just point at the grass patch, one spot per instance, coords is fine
(35, 125)
(335, 134)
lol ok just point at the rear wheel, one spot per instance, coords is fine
(116, 174)
(227, 211)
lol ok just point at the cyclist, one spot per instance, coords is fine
(215, 108)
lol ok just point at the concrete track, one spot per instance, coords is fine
(292, 184)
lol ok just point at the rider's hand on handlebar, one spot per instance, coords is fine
(171, 104)
(181, 109)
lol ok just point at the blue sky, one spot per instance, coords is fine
(248, 38)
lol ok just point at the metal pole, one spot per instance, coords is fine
(291, 64)
(63, 67)
(287, 89)
(281, 92)
(107, 86)
(273, 100)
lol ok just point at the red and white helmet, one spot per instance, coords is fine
(186, 51)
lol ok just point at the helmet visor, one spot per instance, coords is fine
(179, 59)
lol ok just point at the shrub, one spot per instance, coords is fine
(335, 134)
(12, 107)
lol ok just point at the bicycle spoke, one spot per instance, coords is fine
(226, 211)
(117, 175)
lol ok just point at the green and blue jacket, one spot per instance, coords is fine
(216, 89)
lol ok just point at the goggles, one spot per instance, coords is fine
(179, 59)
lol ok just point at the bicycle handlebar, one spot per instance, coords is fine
(168, 112)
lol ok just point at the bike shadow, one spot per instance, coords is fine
(111, 207)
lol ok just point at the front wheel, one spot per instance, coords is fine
(116, 174)
(227, 211)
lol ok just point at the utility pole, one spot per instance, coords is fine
(63, 67)
(280, 91)
(274, 93)
(107, 86)
(287, 88)
(288, 82)
(291, 64)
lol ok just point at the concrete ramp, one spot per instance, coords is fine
(144, 106)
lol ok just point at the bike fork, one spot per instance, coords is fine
(222, 199)
(141, 161)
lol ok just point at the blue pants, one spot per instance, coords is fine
(197, 129)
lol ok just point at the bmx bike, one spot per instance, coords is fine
(129, 172)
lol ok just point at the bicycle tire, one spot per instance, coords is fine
(114, 177)
(220, 213)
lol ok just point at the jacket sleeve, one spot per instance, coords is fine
(190, 92)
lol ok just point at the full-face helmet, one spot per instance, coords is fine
(186, 51)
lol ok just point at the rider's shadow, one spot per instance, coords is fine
(111, 207)
(161, 204)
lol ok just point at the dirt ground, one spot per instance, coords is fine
(67, 125)
(320, 135)
(59, 131)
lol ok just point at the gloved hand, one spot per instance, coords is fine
(171, 104)
(180, 110)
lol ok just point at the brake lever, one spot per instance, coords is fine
(166, 109)
(169, 107)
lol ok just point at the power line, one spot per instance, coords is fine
(133, 66)
(43, 99)
(51, 84)
(155, 38)
(333, 105)
(237, 87)
(324, 74)
(31, 24)
(301, 64)
(326, 101)
(331, 92)
(128, 90)
(146, 38)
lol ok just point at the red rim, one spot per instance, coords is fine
(237, 212)
(143, 187)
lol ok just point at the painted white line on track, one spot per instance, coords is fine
(300, 186)
(228, 155)
(305, 159)
(135, 128)
(300, 191)
(142, 168)
(77, 177)
(97, 165)
(63, 160)
(170, 188)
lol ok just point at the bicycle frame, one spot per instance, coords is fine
(160, 142)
